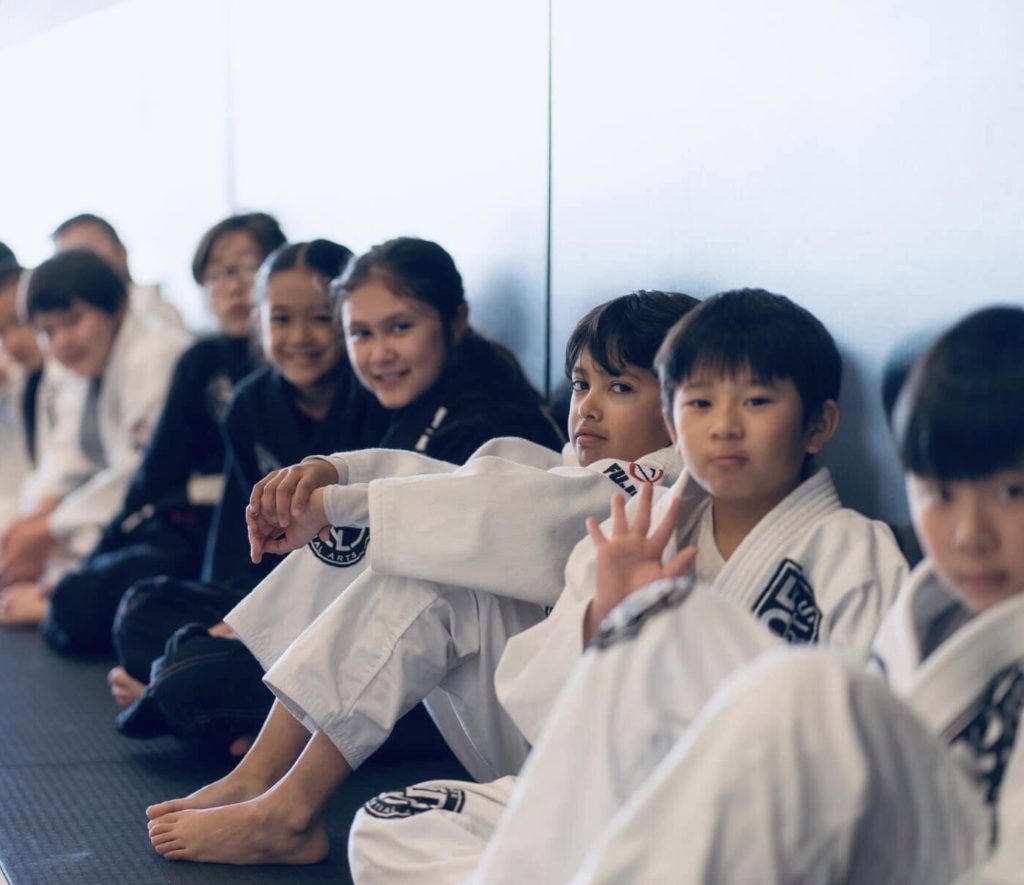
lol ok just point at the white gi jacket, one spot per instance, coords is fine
(147, 300)
(461, 525)
(970, 692)
(132, 394)
(354, 648)
(816, 771)
(810, 569)
(14, 461)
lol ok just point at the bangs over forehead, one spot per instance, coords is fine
(756, 334)
(960, 415)
(626, 331)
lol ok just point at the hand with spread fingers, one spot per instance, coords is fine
(629, 558)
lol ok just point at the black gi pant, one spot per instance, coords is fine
(207, 689)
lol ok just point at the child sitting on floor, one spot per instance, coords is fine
(802, 768)
(389, 641)
(749, 382)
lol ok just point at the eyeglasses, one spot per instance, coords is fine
(216, 279)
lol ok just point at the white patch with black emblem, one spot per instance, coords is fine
(984, 736)
(345, 545)
(627, 619)
(787, 605)
(411, 801)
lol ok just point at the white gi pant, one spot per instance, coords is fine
(389, 642)
(585, 774)
(802, 769)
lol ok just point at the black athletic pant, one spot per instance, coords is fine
(84, 602)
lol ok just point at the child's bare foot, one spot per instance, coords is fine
(236, 786)
(258, 831)
(125, 689)
(24, 604)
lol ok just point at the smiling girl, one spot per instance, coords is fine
(446, 388)
(288, 409)
(429, 384)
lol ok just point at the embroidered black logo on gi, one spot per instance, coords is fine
(415, 800)
(645, 472)
(787, 606)
(627, 619)
(983, 737)
(619, 476)
(344, 546)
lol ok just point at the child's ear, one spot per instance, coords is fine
(670, 427)
(823, 427)
(461, 322)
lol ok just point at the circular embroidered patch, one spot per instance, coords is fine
(345, 546)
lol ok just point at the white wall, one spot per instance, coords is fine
(860, 157)
(353, 121)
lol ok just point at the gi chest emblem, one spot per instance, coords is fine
(787, 606)
(992, 723)
(415, 800)
(627, 619)
(646, 472)
(344, 546)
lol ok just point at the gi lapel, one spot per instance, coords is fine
(970, 690)
(763, 573)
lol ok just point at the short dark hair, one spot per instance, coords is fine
(10, 271)
(86, 218)
(263, 228)
(628, 329)
(756, 331)
(414, 268)
(958, 415)
(323, 257)
(9, 267)
(75, 275)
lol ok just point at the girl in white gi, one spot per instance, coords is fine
(123, 364)
(21, 369)
(428, 384)
(416, 639)
(750, 381)
(803, 768)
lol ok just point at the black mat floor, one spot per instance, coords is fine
(73, 791)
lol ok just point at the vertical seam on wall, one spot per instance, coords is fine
(230, 189)
(547, 234)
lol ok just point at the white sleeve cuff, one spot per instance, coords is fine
(348, 505)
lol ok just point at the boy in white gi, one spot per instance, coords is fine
(803, 768)
(410, 628)
(750, 381)
(121, 363)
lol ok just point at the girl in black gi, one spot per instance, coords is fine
(437, 387)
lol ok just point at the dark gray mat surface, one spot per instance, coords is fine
(73, 791)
